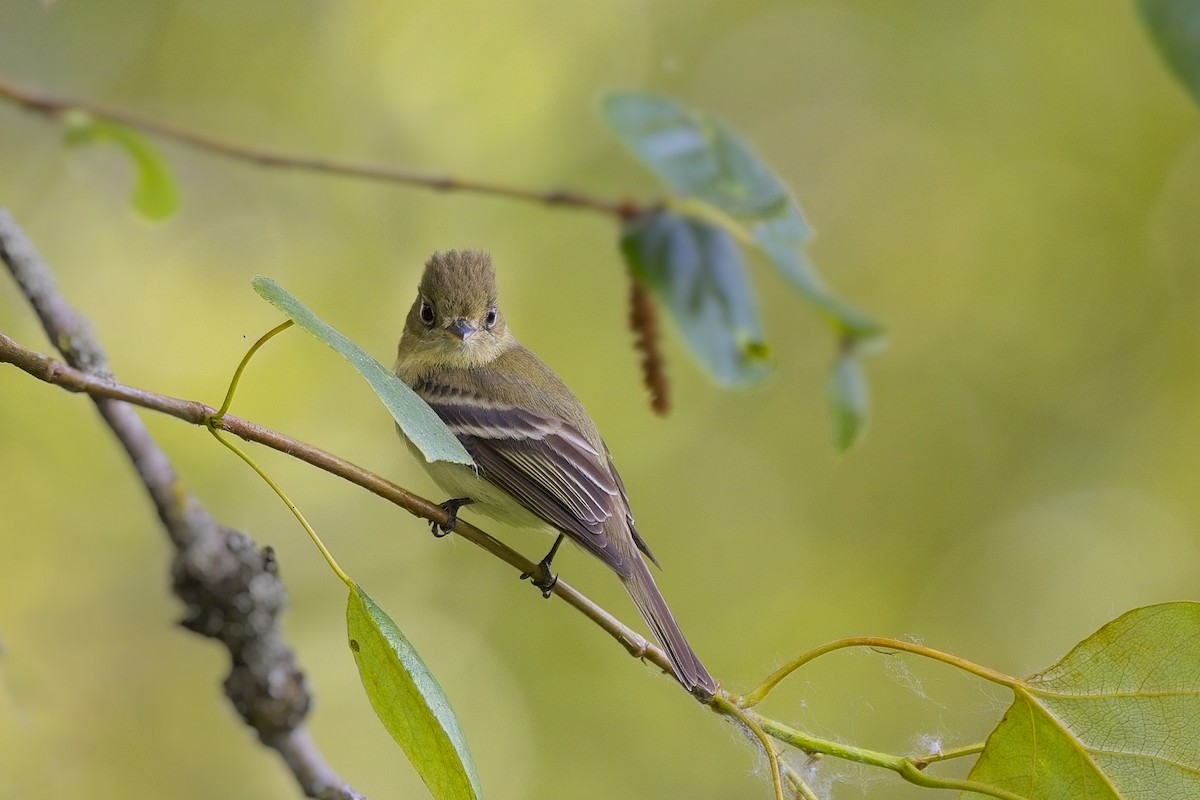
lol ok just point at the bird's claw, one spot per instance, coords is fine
(451, 507)
(542, 578)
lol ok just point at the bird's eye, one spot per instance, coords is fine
(426, 312)
(490, 319)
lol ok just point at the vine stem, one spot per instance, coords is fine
(760, 693)
(54, 107)
(901, 765)
(241, 367)
(748, 719)
(802, 789)
(312, 534)
(212, 422)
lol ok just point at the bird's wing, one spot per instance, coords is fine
(545, 463)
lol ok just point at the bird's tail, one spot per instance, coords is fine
(688, 669)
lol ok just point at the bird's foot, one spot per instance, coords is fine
(542, 577)
(451, 507)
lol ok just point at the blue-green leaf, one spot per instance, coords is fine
(409, 701)
(696, 271)
(414, 416)
(1175, 26)
(849, 401)
(701, 157)
(155, 195)
(695, 155)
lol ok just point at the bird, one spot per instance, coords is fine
(540, 461)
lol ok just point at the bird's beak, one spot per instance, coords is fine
(462, 329)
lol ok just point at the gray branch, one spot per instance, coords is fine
(228, 584)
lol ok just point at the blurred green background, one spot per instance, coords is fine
(1014, 188)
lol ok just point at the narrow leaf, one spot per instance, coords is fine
(701, 157)
(1116, 718)
(1175, 27)
(418, 421)
(696, 271)
(849, 401)
(155, 194)
(409, 701)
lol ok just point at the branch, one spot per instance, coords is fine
(204, 547)
(54, 107)
(63, 375)
(67, 377)
(230, 586)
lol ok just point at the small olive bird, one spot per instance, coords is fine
(540, 460)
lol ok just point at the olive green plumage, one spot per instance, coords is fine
(540, 460)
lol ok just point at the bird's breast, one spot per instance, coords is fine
(459, 480)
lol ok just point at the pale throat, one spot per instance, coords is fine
(424, 354)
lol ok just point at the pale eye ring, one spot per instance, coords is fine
(490, 320)
(426, 312)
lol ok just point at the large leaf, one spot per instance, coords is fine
(700, 157)
(1118, 717)
(414, 416)
(1175, 26)
(409, 701)
(696, 271)
(155, 195)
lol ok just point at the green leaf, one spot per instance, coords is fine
(1175, 26)
(781, 239)
(414, 416)
(701, 157)
(155, 195)
(696, 155)
(409, 701)
(1118, 717)
(696, 271)
(849, 401)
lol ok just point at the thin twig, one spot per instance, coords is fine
(923, 761)
(54, 107)
(230, 585)
(799, 786)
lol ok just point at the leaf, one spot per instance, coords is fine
(1175, 27)
(701, 157)
(781, 239)
(696, 271)
(409, 701)
(418, 421)
(696, 155)
(1118, 717)
(849, 401)
(155, 195)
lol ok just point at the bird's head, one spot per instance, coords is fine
(455, 320)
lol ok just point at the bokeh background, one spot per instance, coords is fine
(1014, 188)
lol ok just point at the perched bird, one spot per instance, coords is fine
(540, 460)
